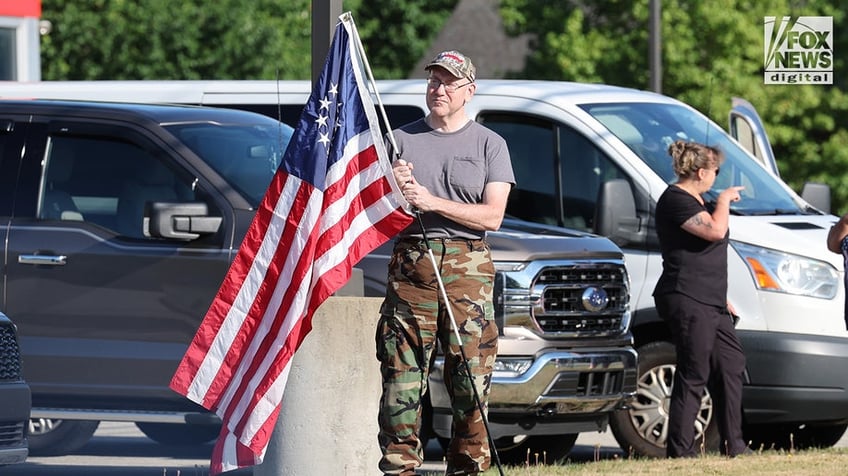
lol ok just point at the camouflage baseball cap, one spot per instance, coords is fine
(455, 63)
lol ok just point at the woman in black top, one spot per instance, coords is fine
(691, 296)
(837, 241)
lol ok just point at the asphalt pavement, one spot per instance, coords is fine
(590, 447)
(120, 449)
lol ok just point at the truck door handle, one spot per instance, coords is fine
(50, 260)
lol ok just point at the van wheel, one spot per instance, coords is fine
(50, 437)
(179, 433)
(543, 449)
(641, 429)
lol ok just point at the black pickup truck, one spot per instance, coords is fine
(14, 395)
(119, 222)
(106, 293)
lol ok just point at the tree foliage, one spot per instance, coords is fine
(396, 34)
(224, 39)
(711, 52)
(163, 39)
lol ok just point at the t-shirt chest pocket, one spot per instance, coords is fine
(467, 174)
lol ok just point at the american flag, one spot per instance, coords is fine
(332, 201)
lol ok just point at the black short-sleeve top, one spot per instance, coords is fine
(691, 265)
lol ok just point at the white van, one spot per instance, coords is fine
(594, 158)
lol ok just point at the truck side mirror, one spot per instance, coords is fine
(817, 195)
(615, 214)
(181, 221)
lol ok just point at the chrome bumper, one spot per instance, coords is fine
(557, 382)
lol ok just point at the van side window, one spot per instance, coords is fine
(584, 169)
(531, 144)
(558, 171)
(105, 182)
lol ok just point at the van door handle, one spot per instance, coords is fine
(59, 260)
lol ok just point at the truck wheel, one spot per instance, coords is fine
(788, 436)
(641, 428)
(426, 432)
(49, 437)
(543, 449)
(179, 433)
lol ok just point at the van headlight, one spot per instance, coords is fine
(787, 273)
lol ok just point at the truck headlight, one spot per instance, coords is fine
(509, 265)
(511, 367)
(787, 273)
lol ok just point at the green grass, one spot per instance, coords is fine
(831, 461)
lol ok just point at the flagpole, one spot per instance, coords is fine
(348, 18)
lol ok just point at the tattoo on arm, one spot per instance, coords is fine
(698, 221)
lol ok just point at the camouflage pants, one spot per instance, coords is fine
(413, 318)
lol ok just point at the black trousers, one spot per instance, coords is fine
(709, 355)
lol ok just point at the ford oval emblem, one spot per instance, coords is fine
(595, 299)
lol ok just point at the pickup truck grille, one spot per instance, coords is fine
(561, 324)
(563, 298)
(587, 384)
(10, 358)
(11, 433)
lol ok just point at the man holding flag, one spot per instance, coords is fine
(457, 174)
(332, 201)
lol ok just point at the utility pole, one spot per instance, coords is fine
(655, 45)
(325, 15)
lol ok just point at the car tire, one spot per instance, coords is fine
(641, 428)
(793, 437)
(820, 436)
(180, 434)
(533, 450)
(51, 437)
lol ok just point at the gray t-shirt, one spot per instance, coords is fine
(456, 166)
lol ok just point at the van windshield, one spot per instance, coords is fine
(245, 155)
(648, 129)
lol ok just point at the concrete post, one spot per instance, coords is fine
(328, 417)
(325, 15)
